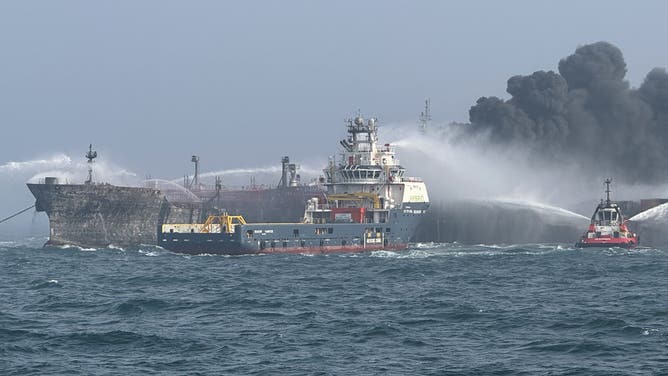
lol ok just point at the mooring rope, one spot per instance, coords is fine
(17, 213)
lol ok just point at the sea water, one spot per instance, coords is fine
(434, 309)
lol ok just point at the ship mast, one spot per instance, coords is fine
(607, 191)
(425, 116)
(195, 182)
(90, 155)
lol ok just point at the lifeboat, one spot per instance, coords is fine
(608, 227)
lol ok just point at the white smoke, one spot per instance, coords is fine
(458, 165)
(66, 170)
(56, 161)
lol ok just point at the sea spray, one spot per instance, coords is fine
(307, 173)
(490, 221)
(173, 191)
(459, 166)
(657, 213)
(548, 209)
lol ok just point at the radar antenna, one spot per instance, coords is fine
(425, 116)
(607, 190)
(90, 155)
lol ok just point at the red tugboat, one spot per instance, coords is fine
(608, 227)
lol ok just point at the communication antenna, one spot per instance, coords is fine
(425, 116)
(90, 155)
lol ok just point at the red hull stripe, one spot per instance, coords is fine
(333, 249)
(608, 240)
(300, 250)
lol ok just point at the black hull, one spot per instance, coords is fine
(99, 215)
(263, 238)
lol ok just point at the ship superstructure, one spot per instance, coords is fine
(369, 204)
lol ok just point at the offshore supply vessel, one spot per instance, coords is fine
(369, 204)
(95, 214)
(608, 227)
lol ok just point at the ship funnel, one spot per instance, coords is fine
(294, 178)
(285, 167)
(195, 181)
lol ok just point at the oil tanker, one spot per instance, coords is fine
(95, 214)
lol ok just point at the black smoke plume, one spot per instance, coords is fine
(587, 111)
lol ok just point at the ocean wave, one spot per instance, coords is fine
(150, 253)
(41, 284)
(73, 247)
(139, 306)
(574, 346)
(537, 305)
(114, 337)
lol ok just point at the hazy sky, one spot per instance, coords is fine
(243, 83)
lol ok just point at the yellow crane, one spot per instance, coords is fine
(227, 222)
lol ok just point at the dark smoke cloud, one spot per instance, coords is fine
(587, 111)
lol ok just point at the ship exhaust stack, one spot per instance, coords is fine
(91, 155)
(607, 190)
(285, 167)
(195, 181)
